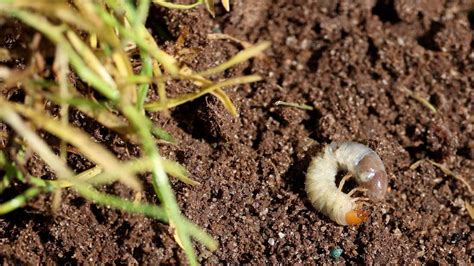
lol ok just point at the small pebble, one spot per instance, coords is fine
(336, 252)
(271, 241)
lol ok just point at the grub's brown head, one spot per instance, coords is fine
(372, 176)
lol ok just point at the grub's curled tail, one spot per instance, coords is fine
(360, 162)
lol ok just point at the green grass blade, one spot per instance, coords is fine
(161, 183)
(19, 201)
(120, 203)
(147, 70)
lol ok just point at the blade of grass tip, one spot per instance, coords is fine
(420, 99)
(210, 7)
(219, 93)
(222, 96)
(19, 201)
(160, 180)
(470, 209)
(226, 5)
(167, 4)
(54, 33)
(92, 150)
(201, 236)
(157, 106)
(163, 135)
(238, 58)
(177, 170)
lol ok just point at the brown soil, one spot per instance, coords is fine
(352, 62)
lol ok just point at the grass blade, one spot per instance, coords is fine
(158, 106)
(19, 201)
(238, 58)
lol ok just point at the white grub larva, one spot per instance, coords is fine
(360, 162)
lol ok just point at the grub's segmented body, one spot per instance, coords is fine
(362, 163)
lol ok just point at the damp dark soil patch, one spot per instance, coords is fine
(354, 62)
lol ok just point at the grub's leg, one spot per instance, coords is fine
(360, 200)
(343, 181)
(361, 189)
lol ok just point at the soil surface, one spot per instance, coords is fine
(362, 65)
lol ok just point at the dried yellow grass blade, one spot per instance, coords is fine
(177, 170)
(223, 36)
(219, 93)
(210, 6)
(158, 106)
(169, 62)
(469, 209)
(226, 5)
(420, 99)
(222, 96)
(238, 58)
